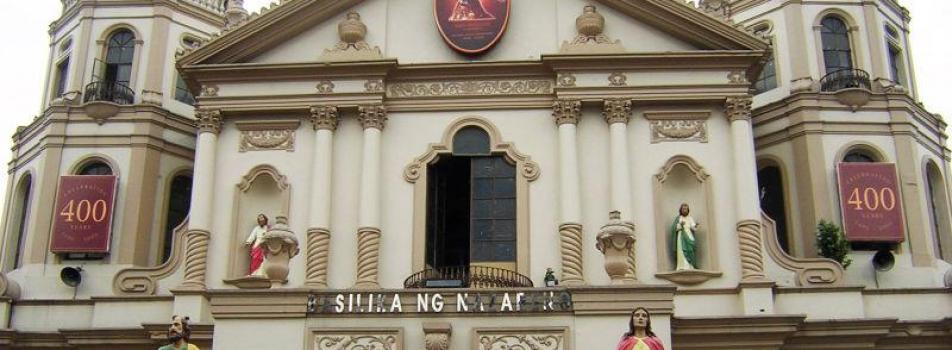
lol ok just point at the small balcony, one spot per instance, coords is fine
(467, 277)
(104, 91)
(852, 87)
(846, 79)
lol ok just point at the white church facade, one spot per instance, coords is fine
(485, 175)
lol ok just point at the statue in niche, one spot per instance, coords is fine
(255, 239)
(683, 230)
(639, 335)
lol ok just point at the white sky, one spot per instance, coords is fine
(24, 26)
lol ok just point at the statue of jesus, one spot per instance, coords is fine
(682, 233)
(254, 240)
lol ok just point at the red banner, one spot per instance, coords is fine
(471, 26)
(870, 202)
(83, 211)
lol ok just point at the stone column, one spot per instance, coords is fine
(567, 114)
(617, 113)
(747, 207)
(373, 119)
(203, 189)
(325, 122)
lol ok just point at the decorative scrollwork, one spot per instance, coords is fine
(471, 88)
(144, 280)
(678, 131)
(521, 342)
(266, 140)
(357, 342)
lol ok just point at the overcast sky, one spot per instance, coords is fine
(24, 26)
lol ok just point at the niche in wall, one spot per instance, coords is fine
(262, 191)
(682, 180)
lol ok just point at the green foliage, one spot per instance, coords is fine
(832, 244)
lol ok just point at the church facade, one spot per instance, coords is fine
(486, 175)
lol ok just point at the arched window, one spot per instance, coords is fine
(120, 51)
(773, 203)
(859, 156)
(939, 211)
(471, 205)
(180, 195)
(95, 168)
(837, 52)
(22, 213)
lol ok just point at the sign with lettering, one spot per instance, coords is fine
(870, 202)
(472, 26)
(435, 302)
(83, 214)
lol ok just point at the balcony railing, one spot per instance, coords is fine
(104, 91)
(467, 277)
(845, 79)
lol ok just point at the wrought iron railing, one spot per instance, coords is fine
(845, 79)
(114, 92)
(467, 277)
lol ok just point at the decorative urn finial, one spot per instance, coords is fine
(617, 241)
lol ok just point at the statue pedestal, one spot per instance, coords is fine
(617, 240)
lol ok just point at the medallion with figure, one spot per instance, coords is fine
(472, 26)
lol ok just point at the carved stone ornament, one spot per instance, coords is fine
(437, 335)
(738, 108)
(807, 271)
(566, 80)
(616, 240)
(209, 91)
(324, 118)
(372, 117)
(678, 131)
(235, 14)
(737, 77)
(750, 238)
(717, 8)
(567, 111)
(318, 250)
(617, 79)
(266, 140)
(527, 339)
(353, 340)
(617, 111)
(374, 86)
(208, 120)
(471, 88)
(352, 45)
(325, 87)
(8, 288)
(144, 280)
(280, 245)
(591, 36)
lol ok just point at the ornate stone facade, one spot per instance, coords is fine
(209, 120)
(266, 140)
(521, 339)
(617, 111)
(678, 131)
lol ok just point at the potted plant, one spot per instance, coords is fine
(832, 244)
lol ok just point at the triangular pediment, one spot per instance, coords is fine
(306, 27)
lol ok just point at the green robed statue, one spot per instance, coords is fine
(682, 237)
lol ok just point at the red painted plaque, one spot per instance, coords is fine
(83, 214)
(472, 26)
(870, 202)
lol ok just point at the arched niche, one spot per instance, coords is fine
(937, 201)
(417, 173)
(683, 180)
(262, 191)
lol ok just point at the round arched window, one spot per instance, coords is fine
(95, 168)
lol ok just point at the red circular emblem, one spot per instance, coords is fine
(472, 26)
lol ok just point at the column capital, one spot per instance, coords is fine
(209, 120)
(372, 116)
(567, 111)
(617, 111)
(738, 107)
(324, 117)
